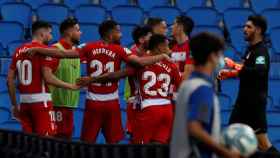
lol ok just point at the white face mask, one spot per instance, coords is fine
(221, 63)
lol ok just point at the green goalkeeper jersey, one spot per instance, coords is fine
(67, 71)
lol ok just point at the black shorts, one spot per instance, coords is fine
(253, 115)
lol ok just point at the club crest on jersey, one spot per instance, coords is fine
(127, 51)
(260, 60)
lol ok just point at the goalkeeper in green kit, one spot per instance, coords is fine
(65, 101)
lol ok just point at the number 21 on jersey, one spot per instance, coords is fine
(100, 69)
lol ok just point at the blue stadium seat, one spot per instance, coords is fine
(53, 12)
(82, 99)
(4, 100)
(55, 32)
(274, 36)
(272, 16)
(11, 125)
(209, 28)
(89, 32)
(232, 53)
(37, 3)
(109, 4)
(78, 122)
(259, 6)
(274, 73)
(81, 13)
(225, 117)
(5, 64)
(19, 12)
(273, 118)
(274, 92)
(236, 16)
(166, 13)
(222, 5)
(128, 14)
(230, 88)
(273, 133)
(199, 15)
(237, 38)
(72, 4)
(276, 143)
(225, 102)
(3, 86)
(148, 5)
(184, 5)
(83, 69)
(13, 46)
(126, 30)
(2, 51)
(4, 115)
(10, 31)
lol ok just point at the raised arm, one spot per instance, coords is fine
(54, 52)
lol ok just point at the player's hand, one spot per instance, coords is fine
(31, 51)
(167, 57)
(229, 62)
(232, 154)
(75, 87)
(223, 74)
(15, 110)
(84, 81)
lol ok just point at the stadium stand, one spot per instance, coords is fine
(186, 5)
(259, 6)
(57, 14)
(10, 31)
(236, 16)
(126, 14)
(165, 12)
(148, 5)
(271, 17)
(109, 4)
(90, 32)
(99, 13)
(74, 4)
(222, 5)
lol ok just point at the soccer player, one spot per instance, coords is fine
(153, 120)
(34, 73)
(197, 115)
(102, 104)
(68, 70)
(158, 26)
(141, 36)
(181, 30)
(253, 74)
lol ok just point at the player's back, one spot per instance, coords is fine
(28, 70)
(155, 83)
(103, 58)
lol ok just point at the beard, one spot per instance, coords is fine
(46, 42)
(75, 41)
(118, 42)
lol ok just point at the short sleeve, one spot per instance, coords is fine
(125, 53)
(13, 63)
(50, 62)
(200, 105)
(83, 49)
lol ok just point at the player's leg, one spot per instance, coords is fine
(92, 121)
(129, 114)
(43, 119)
(145, 125)
(164, 126)
(64, 122)
(25, 118)
(113, 130)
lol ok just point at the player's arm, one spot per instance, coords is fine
(188, 69)
(196, 131)
(12, 92)
(51, 79)
(107, 77)
(54, 52)
(145, 61)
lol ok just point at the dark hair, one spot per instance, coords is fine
(203, 44)
(106, 27)
(40, 24)
(156, 40)
(139, 32)
(153, 21)
(187, 23)
(259, 21)
(67, 23)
